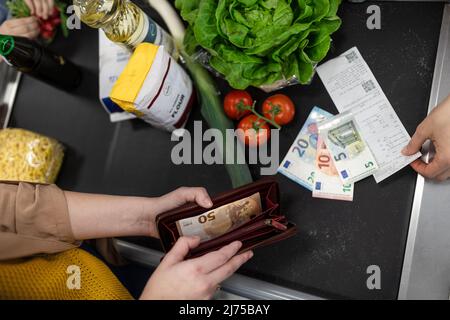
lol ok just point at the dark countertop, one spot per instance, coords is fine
(337, 241)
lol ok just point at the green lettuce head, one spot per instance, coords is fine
(258, 42)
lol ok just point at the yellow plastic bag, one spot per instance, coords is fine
(28, 156)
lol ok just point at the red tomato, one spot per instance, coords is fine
(279, 108)
(260, 133)
(237, 104)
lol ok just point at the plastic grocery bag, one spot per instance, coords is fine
(203, 57)
(29, 157)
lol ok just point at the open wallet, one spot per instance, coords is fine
(265, 228)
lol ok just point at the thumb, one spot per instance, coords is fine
(180, 250)
(422, 134)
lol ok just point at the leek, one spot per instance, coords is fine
(211, 107)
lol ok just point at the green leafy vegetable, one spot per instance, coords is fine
(257, 42)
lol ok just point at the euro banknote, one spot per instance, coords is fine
(351, 155)
(327, 183)
(299, 163)
(219, 221)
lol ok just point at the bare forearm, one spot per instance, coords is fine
(101, 216)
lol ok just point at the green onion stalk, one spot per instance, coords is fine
(211, 107)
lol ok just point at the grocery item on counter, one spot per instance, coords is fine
(209, 102)
(29, 57)
(279, 108)
(237, 104)
(112, 59)
(253, 131)
(123, 22)
(155, 88)
(212, 111)
(28, 156)
(265, 44)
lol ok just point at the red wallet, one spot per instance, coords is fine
(267, 228)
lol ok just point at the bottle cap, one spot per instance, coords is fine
(6, 45)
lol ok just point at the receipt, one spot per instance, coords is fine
(352, 86)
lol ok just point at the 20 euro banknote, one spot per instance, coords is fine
(299, 163)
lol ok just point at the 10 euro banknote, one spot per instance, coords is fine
(327, 183)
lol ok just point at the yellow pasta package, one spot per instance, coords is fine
(28, 156)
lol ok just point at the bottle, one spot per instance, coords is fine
(29, 57)
(123, 22)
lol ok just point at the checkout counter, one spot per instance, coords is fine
(400, 225)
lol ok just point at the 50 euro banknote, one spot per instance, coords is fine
(221, 220)
(327, 183)
(299, 163)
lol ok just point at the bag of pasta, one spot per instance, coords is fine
(28, 156)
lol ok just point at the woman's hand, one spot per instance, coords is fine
(40, 8)
(194, 279)
(435, 127)
(174, 200)
(182, 196)
(22, 27)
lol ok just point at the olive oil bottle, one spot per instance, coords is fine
(123, 22)
(29, 57)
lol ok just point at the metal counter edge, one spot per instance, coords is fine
(420, 210)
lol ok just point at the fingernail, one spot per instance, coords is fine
(238, 244)
(404, 151)
(250, 254)
(209, 203)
